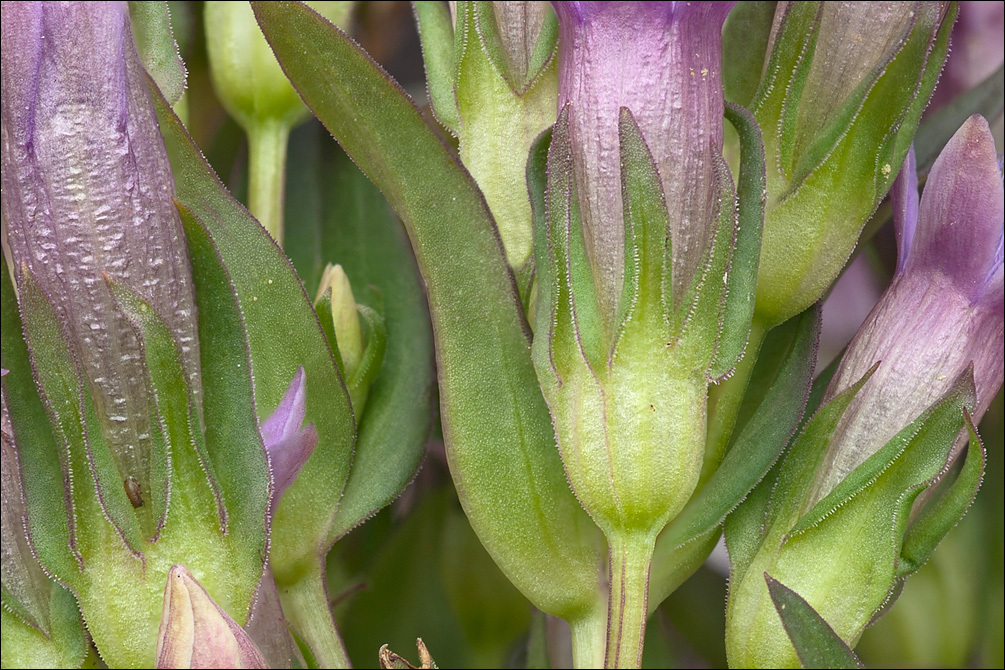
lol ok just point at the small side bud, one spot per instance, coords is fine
(335, 288)
(196, 633)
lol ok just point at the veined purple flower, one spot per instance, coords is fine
(943, 309)
(661, 60)
(88, 191)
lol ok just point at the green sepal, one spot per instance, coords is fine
(500, 441)
(151, 26)
(373, 355)
(323, 307)
(336, 214)
(232, 442)
(797, 471)
(283, 334)
(436, 34)
(48, 499)
(986, 98)
(785, 71)
(575, 336)
(544, 48)
(745, 36)
(741, 282)
(497, 125)
(940, 515)
(816, 643)
(173, 406)
(91, 466)
(760, 441)
(63, 645)
(892, 461)
(647, 297)
(697, 323)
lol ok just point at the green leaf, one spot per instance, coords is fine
(816, 643)
(744, 48)
(741, 282)
(283, 334)
(232, 439)
(151, 25)
(986, 98)
(436, 33)
(43, 463)
(759, 443)
(499, 437)
(350, 223)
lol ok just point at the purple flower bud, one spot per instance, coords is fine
(88, 190)
(195, 632)
(288, 445)
(943, 309)
(661, 60)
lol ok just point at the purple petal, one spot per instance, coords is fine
(662, 61)
(287, 445)
(962, 212)
(904, 198)
(87, 190)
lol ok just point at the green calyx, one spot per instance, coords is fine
(846, 553)
(838, 122)
(496, 95)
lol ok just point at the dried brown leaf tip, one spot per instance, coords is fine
(391, 661)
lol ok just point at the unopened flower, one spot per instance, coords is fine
(195, 632)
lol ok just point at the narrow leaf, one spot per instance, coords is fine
(500, 443)
(816, 643)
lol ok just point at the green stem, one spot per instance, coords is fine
(724, 400)
(631, 556)
(305, 605)
(589, 639)
(267, 141)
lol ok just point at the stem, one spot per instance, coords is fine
(589, 639)
(724, 400)
(267, 141)
(305, 605)
(631, 556)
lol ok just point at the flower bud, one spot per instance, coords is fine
(335, 289)
(491, 74)
(843, 89)
(850, 512)
(359, 351)
(195, 632)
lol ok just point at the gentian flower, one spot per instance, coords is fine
(661, 60)
(850, 512)
(123, 474)
(943, 309)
